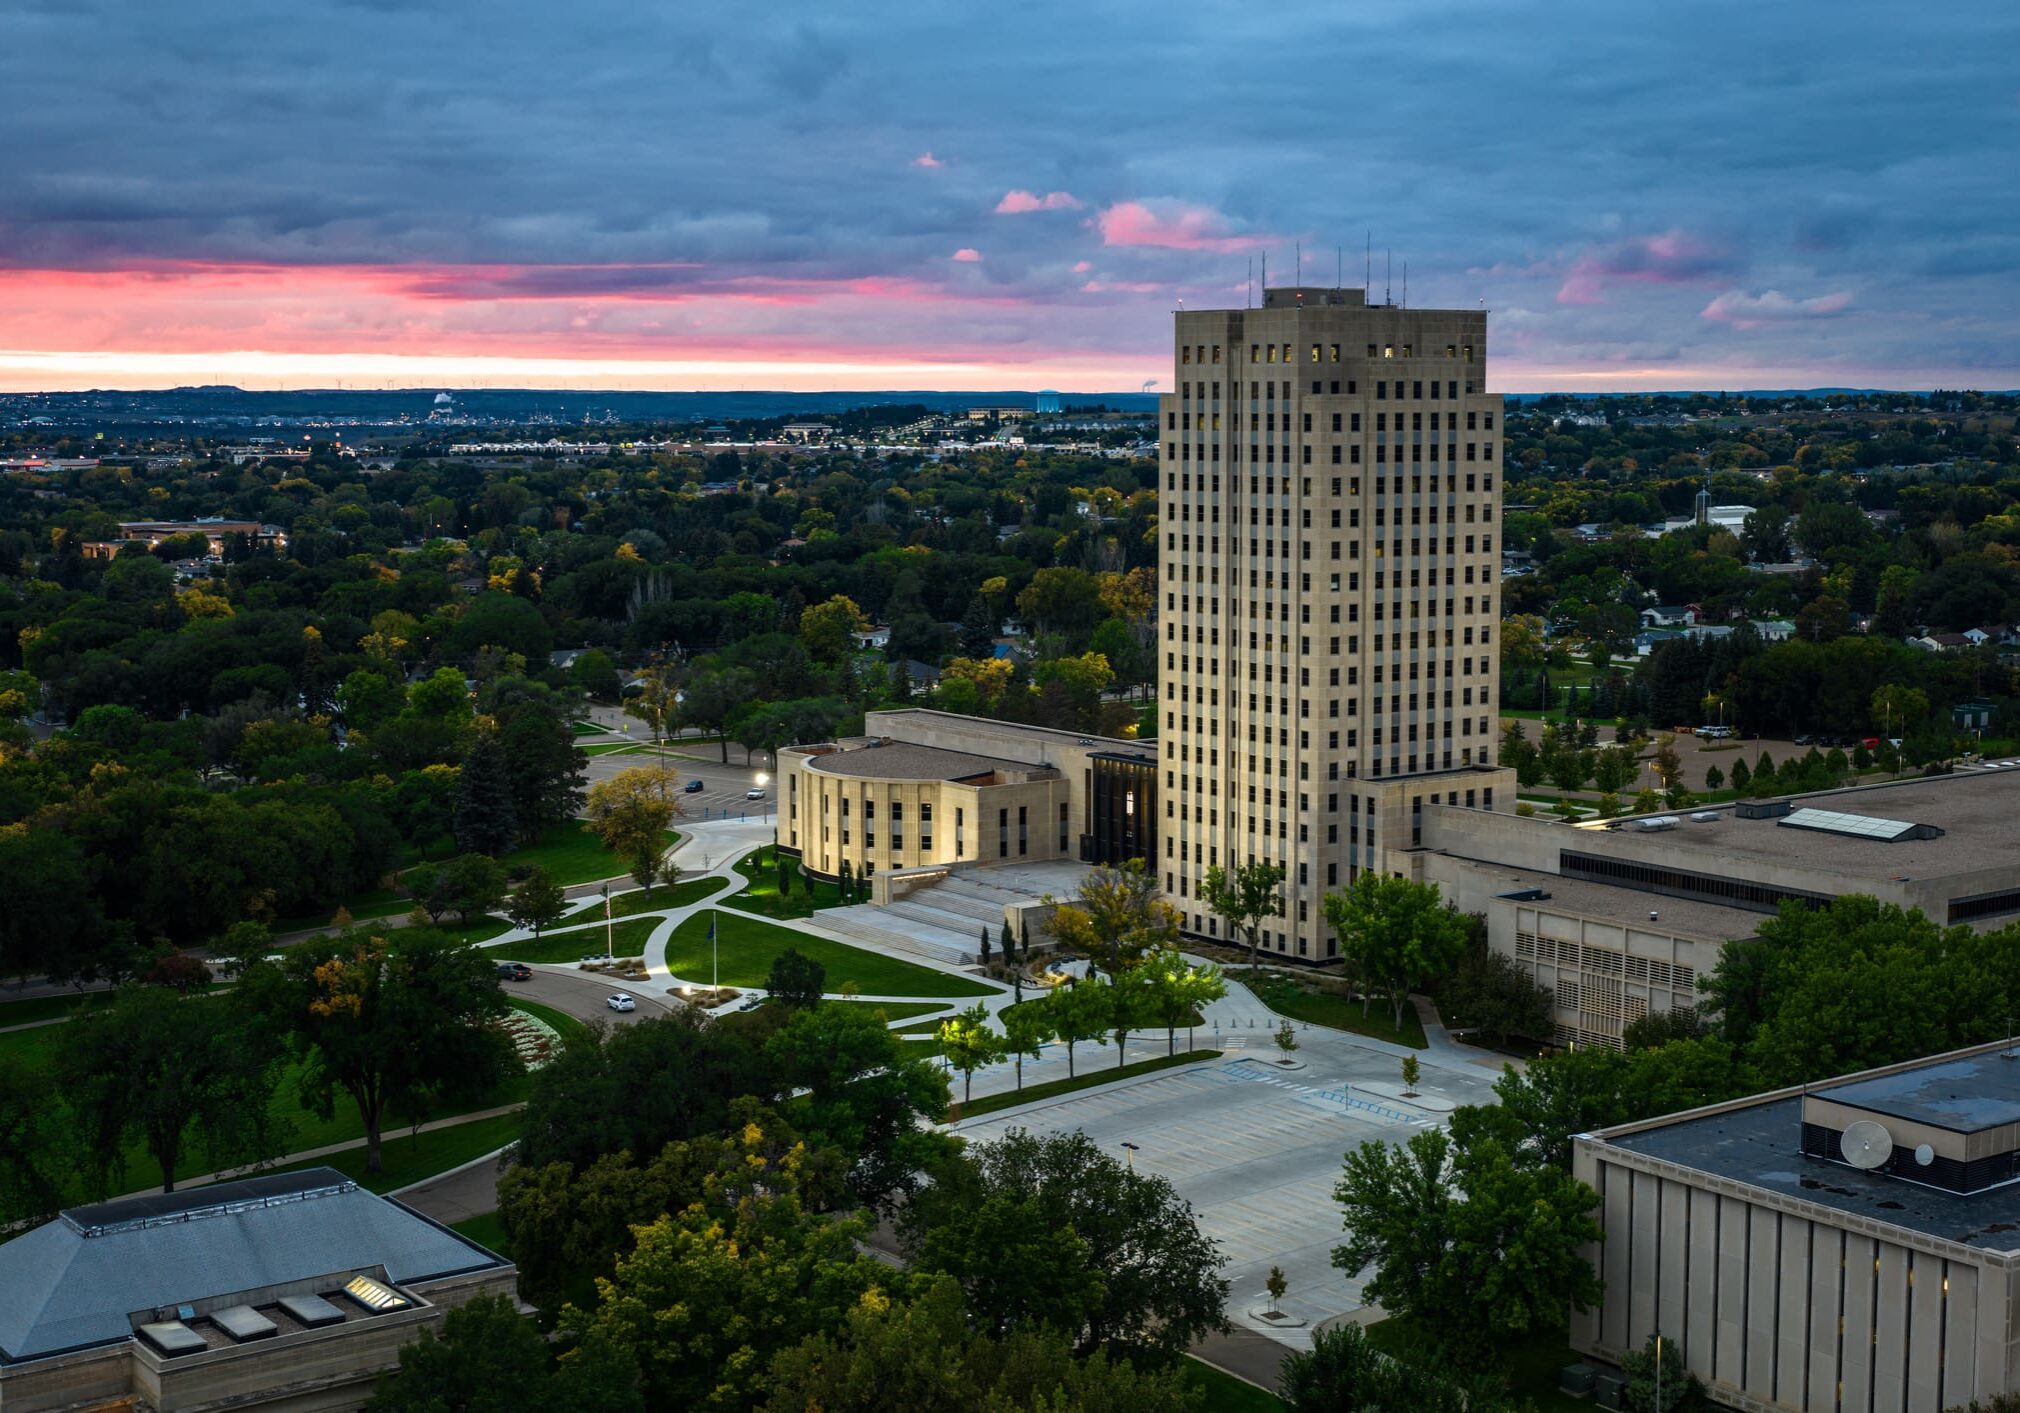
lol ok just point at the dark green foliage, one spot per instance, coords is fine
(486, 821)
(1676, 1391)
(1343, 1372)
(795, 980)
(1495, 997)
(1048, 1229)
(488, 1359)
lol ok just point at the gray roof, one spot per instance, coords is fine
(1967, 1095)
(71, 1282)
(1759, 1145)
(898, 760)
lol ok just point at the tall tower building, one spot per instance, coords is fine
(1328, 573)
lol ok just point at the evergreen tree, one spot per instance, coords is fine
(1009, 943)
(985, 947)
(978, 629)
(486, 822)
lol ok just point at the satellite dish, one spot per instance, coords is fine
(1924, 1154)
(1866, 1144)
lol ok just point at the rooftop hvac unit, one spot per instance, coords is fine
(1609, 1391)
(1704, 817)
(1658, 822)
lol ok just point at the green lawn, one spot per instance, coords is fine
(565, 1025)
(487, 1231)
(609, 748)
(931, 1027)
(410, 1157)
(762, 896)
(747, 947)
(1224, 1392)
(1088, 1078)
(904, 1010)
(627, 939)
(692, 890)
(1530, 1365)
(1288, 997)
(590, 728)
(569, 852)
(45, 1008)
(304, 1129)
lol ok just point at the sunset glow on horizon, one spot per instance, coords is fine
(875, 198)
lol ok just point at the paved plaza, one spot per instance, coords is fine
(1257, 1152)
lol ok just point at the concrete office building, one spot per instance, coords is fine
(1327, 582)
(928, 789)
(1849, 1248)
(1622, 917)
(293, 1291)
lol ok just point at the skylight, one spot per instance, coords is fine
(1856, 826)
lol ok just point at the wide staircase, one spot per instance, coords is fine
(945, 921)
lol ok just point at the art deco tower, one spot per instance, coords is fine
(1328, 608)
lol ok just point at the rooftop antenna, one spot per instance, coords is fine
(1266, 276)
(1298, 277)
(1339, 267)
(1367, 262)
(1406, 284)
(1249, 297)
(1388, 278)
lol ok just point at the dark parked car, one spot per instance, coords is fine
(514, 971)
(693, 787)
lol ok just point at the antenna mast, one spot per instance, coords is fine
(1249, 297)
(1388, 277)
(1298, 277)
(1406, 284)
(1367, 262)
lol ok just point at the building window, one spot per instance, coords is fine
(1003, 834)
(1023, 831)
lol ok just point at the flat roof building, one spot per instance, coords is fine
(290, 1290)
(1848, 1246)
(925, 789)
(1620, 918)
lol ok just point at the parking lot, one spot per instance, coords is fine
(723, 786)
(1257, 1152)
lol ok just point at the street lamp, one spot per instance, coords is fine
(1131, 1158)
(609, 934)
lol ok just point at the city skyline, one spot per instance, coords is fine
(445, 195)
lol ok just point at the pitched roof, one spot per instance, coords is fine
(71, 1282)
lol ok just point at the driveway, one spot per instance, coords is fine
(582, 994)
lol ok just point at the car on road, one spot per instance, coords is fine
(514, 971)
(694, 787)
(618, 1001)
(753, 794)
(1714, 733)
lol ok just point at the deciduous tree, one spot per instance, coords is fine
(1398, 932)
(1243, 898)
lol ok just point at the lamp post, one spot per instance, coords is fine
(1130, 1154)
(609, 935)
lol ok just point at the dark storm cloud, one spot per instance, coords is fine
(1602, 174)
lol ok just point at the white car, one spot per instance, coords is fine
(753, 794)
(620, 1002)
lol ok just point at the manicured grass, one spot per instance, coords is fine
(565, 1025)
(590, 728)
(902, 1010)
(689, 891)
(747, 946)
(408, 1158)
(571, 854)
(1087, 1079)
(1530, 1365)
(931, 1027)
(1224, 1392)
(47, 1008)
(610, 748)
(1290, 998)
(627, 939)
(33, 1047)
(487, 1231)
(762, 896)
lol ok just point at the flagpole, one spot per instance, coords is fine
(714, 973)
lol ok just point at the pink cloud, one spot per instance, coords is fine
(968, 255)
(927, 159)
(1081, 267)
(1748, 311)
(1120, 287)
(1016, 203)
(1171, 225)
(1672, 258)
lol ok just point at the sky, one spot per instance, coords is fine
(641, 194)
